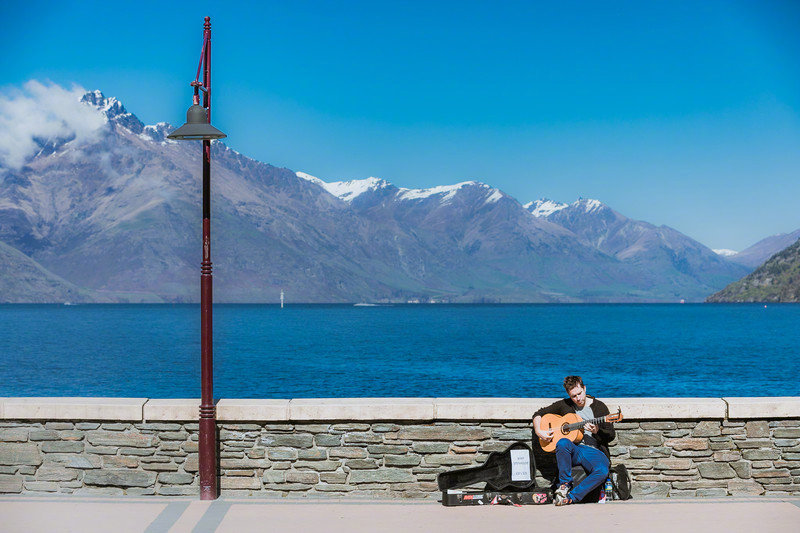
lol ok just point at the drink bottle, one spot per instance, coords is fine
(609, 489)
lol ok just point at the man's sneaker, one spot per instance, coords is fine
(562, 495)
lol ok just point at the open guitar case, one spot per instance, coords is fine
(505, 484)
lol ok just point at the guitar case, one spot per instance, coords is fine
(510, 478)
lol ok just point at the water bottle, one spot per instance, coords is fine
(609, 489)
(602, 498)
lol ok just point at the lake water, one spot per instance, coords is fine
(262, 351)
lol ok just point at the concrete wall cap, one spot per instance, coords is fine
(165, 409)
(777, 407)
(489, 408)
(361, 409)
(253, 410)
(667, 408)
(73, 408)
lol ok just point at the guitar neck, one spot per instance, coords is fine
(576, 425)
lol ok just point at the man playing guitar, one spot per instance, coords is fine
(592, 451)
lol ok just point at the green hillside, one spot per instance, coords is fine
(777, 280)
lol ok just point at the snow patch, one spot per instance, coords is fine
(544, 208)
(494, 197)
(724, 252)
(448, 191)
(347, 190)
(588, 204)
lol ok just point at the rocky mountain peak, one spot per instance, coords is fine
(113, 110)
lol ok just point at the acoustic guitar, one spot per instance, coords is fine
(570, 426)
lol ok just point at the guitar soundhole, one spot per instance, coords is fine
(564, 429)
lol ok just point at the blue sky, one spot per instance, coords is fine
(678, 113)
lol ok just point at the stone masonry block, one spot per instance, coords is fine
(382, 449)
(786, 433)
(707, 428)
(716, 471)
(674, 463)
(118, 438)
(319, 466)
(361, 464)
(741, 487)
(646, 438)
(660, 426)
(119, 461)
(402, 460)
(10, 484)
(384, 475)
(82, 462)
(309, 478)
(312, 454)
(761, 454)
(447, 459)
(62, 446)
(14, 435)
(430, 447)
(726, 456)
(234, 483)
(55, 472)
(327, 440)
(20, 454)
(445, 433)
(273, 477)
(757, 428)
(347, 452)
(687, 443)
(43, 434)
(742, 468)
(289, 440)
(362, 438)
(282, 454)
(119, 478)
(753, 443)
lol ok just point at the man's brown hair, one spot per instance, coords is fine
(570, 382)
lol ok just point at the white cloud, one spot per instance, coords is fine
(43, 111)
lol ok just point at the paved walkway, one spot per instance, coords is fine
(177, 515)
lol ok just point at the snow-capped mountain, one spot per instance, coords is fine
(659, 249)
(756, 254)
(104, 208)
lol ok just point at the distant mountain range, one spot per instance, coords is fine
(114, 216)
(777, 280)
(758, 253)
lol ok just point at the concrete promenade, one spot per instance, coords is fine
(31, 514)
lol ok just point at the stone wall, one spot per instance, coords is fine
(380, 447)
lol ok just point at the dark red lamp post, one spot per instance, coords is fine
(198, 128)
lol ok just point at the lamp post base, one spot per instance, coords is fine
(207, 453)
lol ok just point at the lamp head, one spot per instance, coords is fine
(197, 127)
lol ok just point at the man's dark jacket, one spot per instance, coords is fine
(605, 430)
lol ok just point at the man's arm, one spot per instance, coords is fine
(544, 434)
(558, 407)
(605, 430)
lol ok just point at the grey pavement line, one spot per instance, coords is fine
(212, 518)
(167, 518)
(796, 503)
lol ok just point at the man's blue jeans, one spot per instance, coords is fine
(595, 462)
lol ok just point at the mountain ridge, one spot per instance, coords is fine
(116, 211)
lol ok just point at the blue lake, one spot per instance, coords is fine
(262, 351)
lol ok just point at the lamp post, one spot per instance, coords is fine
(198, 127)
